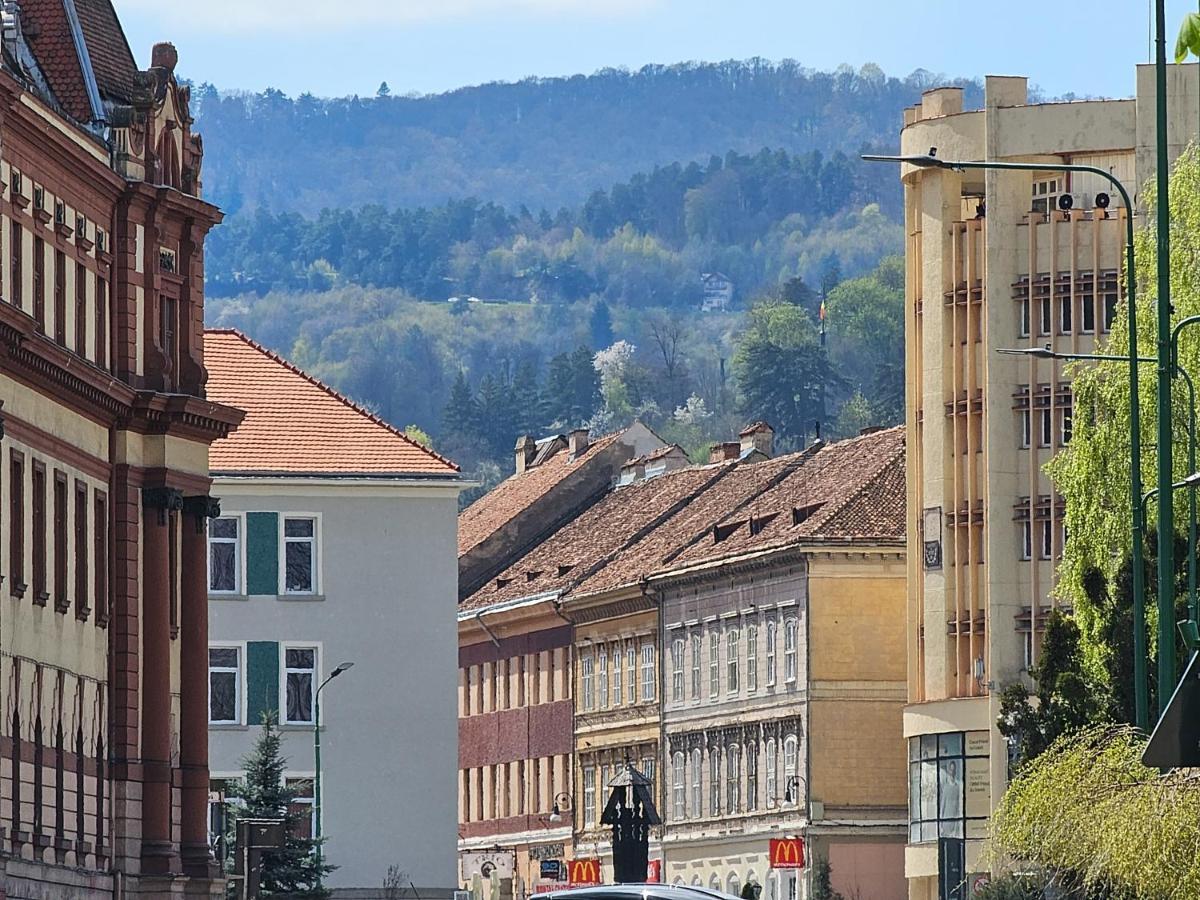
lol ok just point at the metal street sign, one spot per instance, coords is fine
(1175, 742)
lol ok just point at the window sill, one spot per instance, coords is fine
(228, 597)
(301, 598)
(227, 726)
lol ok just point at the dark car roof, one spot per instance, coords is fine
(636, 892)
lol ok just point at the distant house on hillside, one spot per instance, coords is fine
(718, 291)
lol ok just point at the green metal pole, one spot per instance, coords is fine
(1166, 523)
(1191, 386)
(317, 779)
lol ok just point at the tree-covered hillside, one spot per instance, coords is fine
(541, 142)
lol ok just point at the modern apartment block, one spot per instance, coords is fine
(998, 260)
(335, 544)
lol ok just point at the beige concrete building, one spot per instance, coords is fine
(998, 259)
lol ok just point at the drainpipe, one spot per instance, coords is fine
(664, 758)
(491, 634)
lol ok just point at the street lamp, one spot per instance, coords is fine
(562, 804)
(1141, 685)
(342, 667)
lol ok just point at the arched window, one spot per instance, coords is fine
(714, 883)
(733, 887)
(714, 781)
(789, 650)
(677, 786)
(791, 785)
(696, 881)
(733, 771)
(751, 879)
(751, 777)
(772, 771)
(678, 882)
(733, 659)
(697, 794)
(770, 654)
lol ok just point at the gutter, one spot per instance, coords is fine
(468, 615)
(85, 61)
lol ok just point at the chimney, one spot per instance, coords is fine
(760, 436)
(164, 56)
(577, 441)
(526, 450)
(724, 452)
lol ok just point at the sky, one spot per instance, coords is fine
(341, 47)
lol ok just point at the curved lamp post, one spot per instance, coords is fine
(342, 667)
(1141, 684)
(562, 804)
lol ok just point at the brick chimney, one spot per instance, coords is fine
(760, 436)
(724, 452)
(526, 450)
(577, 441)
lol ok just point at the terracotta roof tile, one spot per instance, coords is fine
(295, 424)
(517, 493)
(49, 35)
(112, 60)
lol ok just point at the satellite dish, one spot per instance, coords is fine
(1065, 202)
(1102, 200)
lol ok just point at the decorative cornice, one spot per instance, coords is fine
(162, 498)
(204, 507)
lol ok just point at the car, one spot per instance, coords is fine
(636, 892)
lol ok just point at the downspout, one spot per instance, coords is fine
(85, 61)
(491, 634)
(664, 758)
(807, 718)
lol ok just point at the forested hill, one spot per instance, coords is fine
(542, 142)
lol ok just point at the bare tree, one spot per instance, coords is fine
(396, 883)
(667, 332)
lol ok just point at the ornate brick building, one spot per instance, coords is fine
(103, 464)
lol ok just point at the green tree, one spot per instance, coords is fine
(461, 416)
(600, 326)
(572, 389)
(294, 870)
(822, 881)
(1063, 702)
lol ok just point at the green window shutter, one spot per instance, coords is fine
(262, 553)
(262, 680)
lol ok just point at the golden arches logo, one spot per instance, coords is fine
(584, 871)
(787, 853)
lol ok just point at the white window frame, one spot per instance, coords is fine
(697, 641)
(1045, 427)
(589, 796)
(317, 554)
(315, 646)
(791, 634)
(240, 695)
(602, 677)
(677, 650)
(1046, 543)
(697, 779)
(733, 775)
(678, 795)
(733, 653)
(631, 684)
(714, 781)
(649, 689)
(772, 639)
(751, 756)
(772, 772)
(1026, 428)
(791, 756)
(1026, 540)
(617, 695)
(587, 685)
(752, 658)
(312, 802)
(239, 556)
(714, 663)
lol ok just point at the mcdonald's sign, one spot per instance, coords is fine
(787, 853)
(583, 871)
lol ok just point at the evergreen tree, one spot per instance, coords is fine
(601, 326)
(527, 413)
(461, 416)
(293, 870)
(572, 393)
(384, 90)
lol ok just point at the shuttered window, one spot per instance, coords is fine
(262, 553)
(262, 680)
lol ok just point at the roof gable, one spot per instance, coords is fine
(296, 424)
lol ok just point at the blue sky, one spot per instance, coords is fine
(338, 47)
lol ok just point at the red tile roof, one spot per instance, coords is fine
(112, 60)
(296, 425)
(517, 493)
(850, 491)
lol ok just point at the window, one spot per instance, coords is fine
(301, 807)
(714, 663)
(616, 674)
(1026, 429)
(789, 650)
(714, 782)
(733, 886)
(60, 541)
(40, 595)
(16, 247)
(1088, 311)
(224, 555)
(224, 685)
(772, 773)
(16, 532)
(770, 654)
(631, 673)
(589, 797)
(60, 297)
(101, 322)
(1045, 428)
(1068, 424)
(751, 777)
(81, 274)
(100, 566)
(648, 771)
(1023, 328)
(678, 792)
(168, 325)
(82, 549)
(587, 689)
(1044, 316)
(1110, 309)
(1046, 551)
(39, 281)
(677, 670)
(647, 672)
(602, 677)
(733, 653)
(697, 644)
(790, 744)
(300, 668)
(733, 784)
(697, 793)
(1064, 314)
(752, 658)
(1026, 541)
(300, 555)
(937, 806)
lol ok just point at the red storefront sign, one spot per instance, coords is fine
(654, 872)
(787, 853)
(583, 871)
